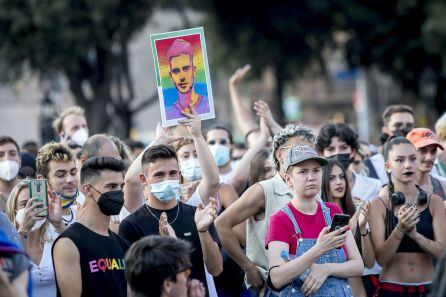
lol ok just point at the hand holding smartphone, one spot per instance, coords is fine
(339, 221)
(38, 189)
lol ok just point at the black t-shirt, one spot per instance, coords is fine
(101, 261)
(142, 223)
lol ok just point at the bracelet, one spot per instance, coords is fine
(367, 232)
(203, 231)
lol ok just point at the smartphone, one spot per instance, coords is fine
(339, 221)
(37, 189)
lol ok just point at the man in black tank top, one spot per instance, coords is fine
(426, 143)
(164, 214)
(88, 258)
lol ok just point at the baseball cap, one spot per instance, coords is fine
(300, 153)
(421, 137)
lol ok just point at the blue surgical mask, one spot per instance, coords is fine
(166, 191)
(221, 154)
(190, 169)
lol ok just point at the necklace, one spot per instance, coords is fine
(170, 223)
(71, 218)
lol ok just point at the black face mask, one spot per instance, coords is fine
(110, 203)
(344, 159)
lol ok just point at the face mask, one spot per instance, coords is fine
(344, 159)
(221, 154)
(8, 170)
(190, 169)
(166, 191)
(67, 201)
(20, 218)
(80, 136)
(110, 203)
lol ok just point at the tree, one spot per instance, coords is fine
(286, 36)
(389, 34)
(85, 40)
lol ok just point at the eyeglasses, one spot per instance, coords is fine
(222, 142)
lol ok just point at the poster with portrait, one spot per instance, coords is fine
(182, 74)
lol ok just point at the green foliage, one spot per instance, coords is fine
(291, 34)
(60, 34)
(387, 34)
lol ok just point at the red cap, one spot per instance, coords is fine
(421, 137)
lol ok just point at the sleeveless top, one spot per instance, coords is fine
(424, 227)
(101, 261)
(437, 188)
(277, 195)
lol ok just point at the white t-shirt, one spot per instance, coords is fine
(42, 275)
(80, 198)
(224, 178)
(365, 188)
(378, 163)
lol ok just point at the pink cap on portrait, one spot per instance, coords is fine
(178, 47)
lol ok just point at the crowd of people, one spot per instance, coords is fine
(195, 214)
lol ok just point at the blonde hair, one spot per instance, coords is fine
(58, 123)
(180, 143)
(11, 206)
(123, 148)
(440, 127)
(52, 151)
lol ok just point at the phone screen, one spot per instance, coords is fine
(339, 221)
(37, 189)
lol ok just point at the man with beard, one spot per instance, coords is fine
(426, 143)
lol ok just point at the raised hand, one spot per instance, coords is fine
(195, 288)
(263, 111)
(364, 215)
(32, 209)
(238, 75)
(205, 216)
(189, 189)
(165, 228)
(54, 209)
(162, 135)
(408, 218)
(327, 240)
(192, 123)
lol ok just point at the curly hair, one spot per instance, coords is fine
(286, 133)
(52, 151)
(341, 131)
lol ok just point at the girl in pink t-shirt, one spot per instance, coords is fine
(304, 257)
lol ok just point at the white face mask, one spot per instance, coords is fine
(221, 154)
(8, 170)
(80, 136)
(20, 217)
(190, 169)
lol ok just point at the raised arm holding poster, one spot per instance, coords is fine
(182, 74)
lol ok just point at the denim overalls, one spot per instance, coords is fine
(333, 286)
